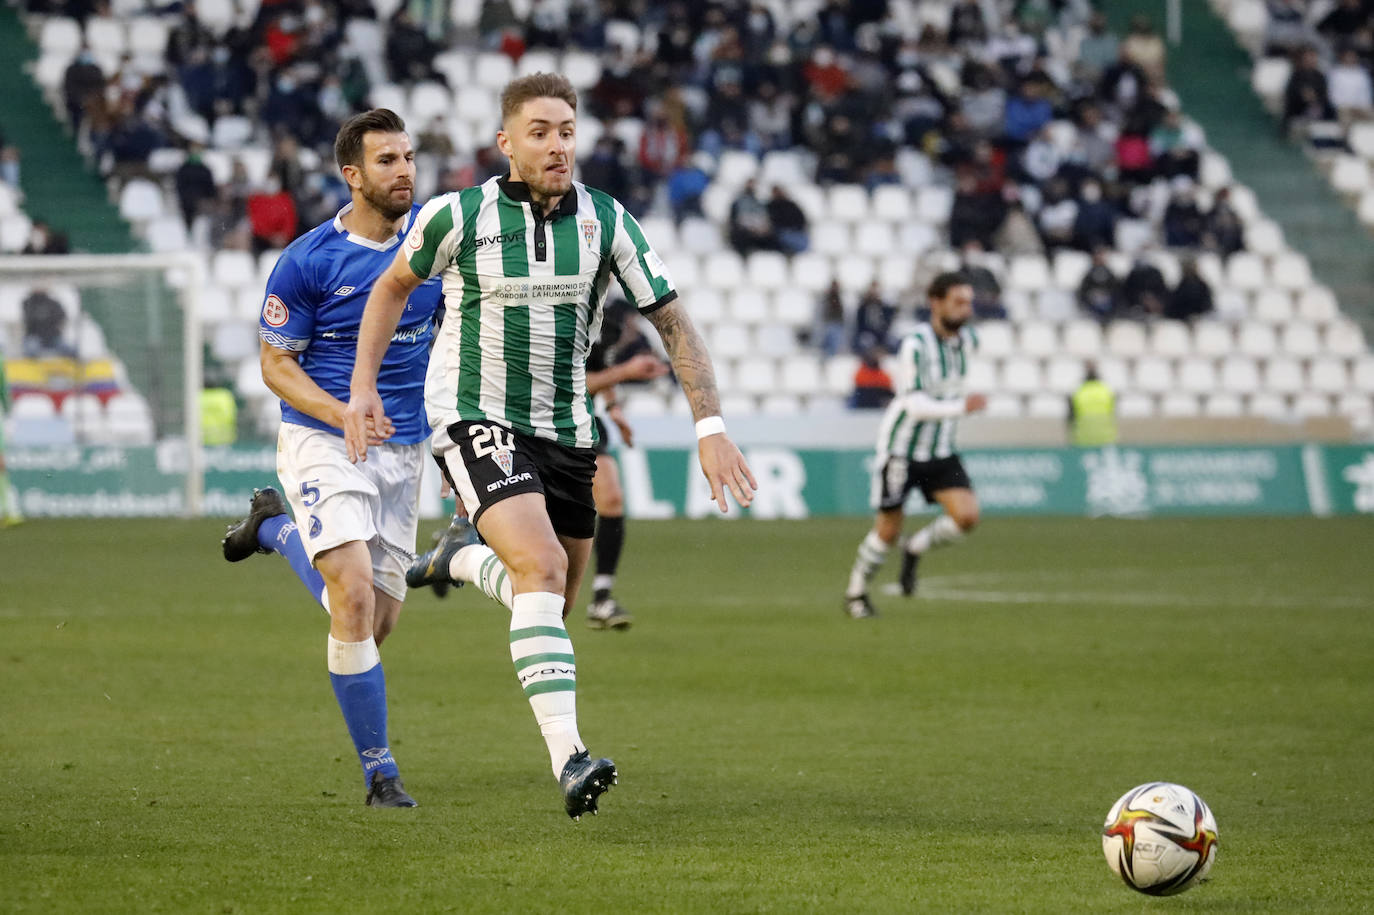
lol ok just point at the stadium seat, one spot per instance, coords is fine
(1115, 372)
(639, 403)
(1349, 175)
(1063, 375)
(747, 304)
(1358, 408)
(1197, 375)
(147, 37)
(582, 68)
(766, 270)
(167, 233)
(1211, 338)
(1020, 375)
(1343, 337)
(731, 341)
(1056, 305)
(1317, 304)
(1223, 406)
(1134, 405)
(537, 60)
(128, 421)
(916, 238)
(1179, 405)
(231, 131)
(1028, 272)
(811, 272)
(913, 167)
(1267, 405)
(1047, 406)
(1126, 338)
(980, 376)
(1083, 338)
(60, 36)
(777, 404)
(891, 203)
(1300, 340)
(839, 374)
(1273, 306)
(248, 381)
(1005, 406)
(1239, 375)
(1264, 237)
(1255, 339)
(1232, 305)
(1070, 267)
(493, 70)
(699, 236)
(1170, 338)
(1309, 405)
(787, 168)
(1282, 375)
(428, 100)
(1245, 271)
(801, 375)
(706, 305)
(140, 200)
(756, 376)
(847, 203)
(1133, 235)
(1290, 270)
(1328, 375)
(933, 204)
(14, 232)
(1362, 374)
(215, 304)
(1036, 338)
(873, 238)
(855, 273)
(833, 238)
(1152, 374)
(723, 270)
(734, 168)
(233, 341)
(1270, 74)
(683, 268)
(995, 338)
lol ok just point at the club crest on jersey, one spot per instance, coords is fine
(591, 233)
(504, 460)
(275, 312)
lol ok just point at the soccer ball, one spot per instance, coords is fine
(1160, 839)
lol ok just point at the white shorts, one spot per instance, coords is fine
(376, 501)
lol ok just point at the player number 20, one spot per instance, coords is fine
(490, 439)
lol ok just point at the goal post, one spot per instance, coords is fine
(104, 358)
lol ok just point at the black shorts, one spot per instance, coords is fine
(489, 462)
(896, 477)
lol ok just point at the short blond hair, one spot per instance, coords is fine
(536, 85)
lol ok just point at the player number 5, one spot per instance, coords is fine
(310, 494)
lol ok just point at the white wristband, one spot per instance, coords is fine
(711, 425)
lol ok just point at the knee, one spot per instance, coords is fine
(966, 518)
(611, 503)
(351, 594)
(544, 568)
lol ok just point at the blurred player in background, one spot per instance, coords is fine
(527, 259)
(359, 519)
(9, 499)
(916, 442)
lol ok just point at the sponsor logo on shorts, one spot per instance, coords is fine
(510, 481)
(315, 526)
(275, 312)
(504, 460)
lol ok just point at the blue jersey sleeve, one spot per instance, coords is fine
(288, 313)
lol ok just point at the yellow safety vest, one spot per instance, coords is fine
(1094, 415)
(219, 414)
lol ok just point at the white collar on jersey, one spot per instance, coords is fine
(387, 245)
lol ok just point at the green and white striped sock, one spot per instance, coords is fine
(872, 553)
(543, 658)
(479, 565)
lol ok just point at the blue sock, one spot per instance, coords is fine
(279, 535)
(362, 699)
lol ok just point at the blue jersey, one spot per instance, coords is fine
(315, 299)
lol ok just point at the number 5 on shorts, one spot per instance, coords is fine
(310, 494)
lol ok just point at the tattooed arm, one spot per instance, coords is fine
(721, 460)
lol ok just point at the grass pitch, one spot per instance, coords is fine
(172, 743)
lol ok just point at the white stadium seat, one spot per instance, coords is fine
(1028, 272)
(1255, 339)
(1132, 405)
(1036, 338)
(233, 269)
(1362, 374)
(1328, 375)
(493, 70)
(1153, 375)
(1343, 337)
(1070, 267)
(811, 272)
(140, 200)
(1264, 237)
(1212, 339)
(1239, 375)
(1245, 271)
(1005, 406)
(1047, 406)
(1197, 375)
(707, 305)
(847, 203)
(723, 270)
(933, 203)
(1171, 338)
(832, 238)
(801, 375)
(1056, 305)
(1223, 406)
(734, 168)
(793, 308)
(995, 338)
(1063, 375)
(1290, 270)
(1231, 304)
(855, 273)
(1349, 175)
(873, 238)
(1021, 375)
(980, 376)
(731, 341)
(746, 304)
(1283, 375)
(1083, 338)
(780, 405)
(1177, 405)
(1126, 338)
(1273, 306)
(756, 376)
(1268, 405)
(1311, 405)
(582, 68)
(839, 373)
(1301, 340)
(1317, 304)
(766, 270)
(891, 203)
(699, 236)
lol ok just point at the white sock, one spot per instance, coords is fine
(940, 532)
(543, 658)
(347, 658)
(602, 582)
(872, 554)
(478, 564)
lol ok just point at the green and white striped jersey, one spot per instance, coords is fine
(523, 302)
(929, 369)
